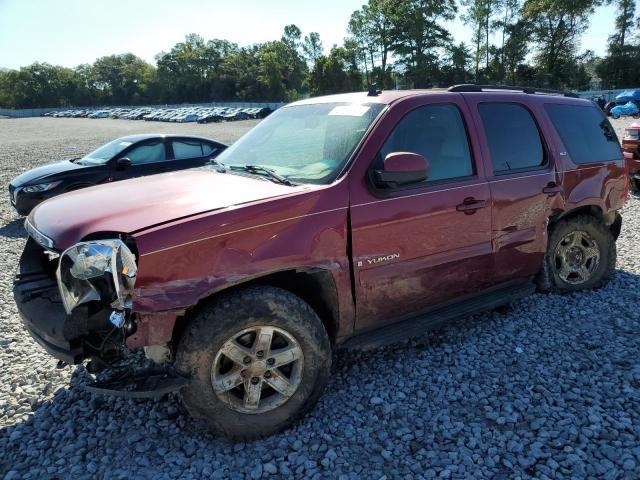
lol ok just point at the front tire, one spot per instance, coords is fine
(581, 254)
(258, 358)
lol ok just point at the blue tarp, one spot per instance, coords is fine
(627, 96)
(629, 108)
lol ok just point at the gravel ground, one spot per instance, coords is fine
(548, 389)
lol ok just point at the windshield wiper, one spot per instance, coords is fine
(260, 170)
(221, 166)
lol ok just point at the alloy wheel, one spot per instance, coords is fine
(576, 257)
(257, 369)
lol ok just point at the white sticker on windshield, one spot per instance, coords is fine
(349, 110)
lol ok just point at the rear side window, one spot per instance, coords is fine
(207, 148)
(585, 132)
(437, 133)
(187, 149)
(513, 137)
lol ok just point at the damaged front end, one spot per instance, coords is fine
(77, 304)
(100, 270)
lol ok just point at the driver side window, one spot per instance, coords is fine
(437, 133)
(147, 153)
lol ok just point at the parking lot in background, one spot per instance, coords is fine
(548, 389)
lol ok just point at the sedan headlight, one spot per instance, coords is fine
(97, 270)
(41, 187)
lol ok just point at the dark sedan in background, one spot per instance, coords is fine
(126, 157)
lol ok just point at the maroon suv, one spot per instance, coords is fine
(357, 219)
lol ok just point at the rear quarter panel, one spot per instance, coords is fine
(602, 184)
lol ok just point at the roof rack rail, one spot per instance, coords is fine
(472, 87)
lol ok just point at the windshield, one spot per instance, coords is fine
(304, 143)
(105, 152)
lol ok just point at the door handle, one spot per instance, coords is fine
(470, 205)
(552, 189)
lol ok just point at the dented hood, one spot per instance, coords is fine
(132, 205)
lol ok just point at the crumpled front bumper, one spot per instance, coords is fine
(37, 297)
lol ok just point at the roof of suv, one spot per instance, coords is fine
(390, 96)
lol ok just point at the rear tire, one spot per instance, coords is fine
(224, 345)
(581, 254)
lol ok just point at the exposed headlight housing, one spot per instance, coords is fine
(97, 270)
(41, 187)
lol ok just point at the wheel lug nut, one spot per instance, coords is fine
(267, 374)
(271, 361)
(259, 354)
(255, 380)
(246, 360)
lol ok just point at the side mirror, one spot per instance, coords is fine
(402, 168)
(123, 163)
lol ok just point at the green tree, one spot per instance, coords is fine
(481, 16)
(312, 47)
(556, 26)
(456, 66)
(421, 37)
(373, 27)
(624, 21)
(187, 73)
(515, 51)
(335, 73)
(38, 85)
(121, 79)
(619, 68)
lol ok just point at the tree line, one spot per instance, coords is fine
(392, 43)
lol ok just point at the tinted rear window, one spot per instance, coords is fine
(513, 137)
(186, 149)
(585, 132)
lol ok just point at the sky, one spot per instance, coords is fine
(72, 32)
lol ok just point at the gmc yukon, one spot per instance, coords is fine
(348, 220)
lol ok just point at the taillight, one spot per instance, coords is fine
(627, 173)
(632, 134)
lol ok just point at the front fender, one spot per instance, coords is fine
(212, 252)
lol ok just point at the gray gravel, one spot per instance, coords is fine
(549, 389)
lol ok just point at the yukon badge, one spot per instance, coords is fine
(385, 258)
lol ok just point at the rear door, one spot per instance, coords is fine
(420, 246)
(522, 176)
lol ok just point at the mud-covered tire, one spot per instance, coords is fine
(549, 278)
(218, 321)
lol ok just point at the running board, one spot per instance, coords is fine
(145, 383)
(418, 325)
